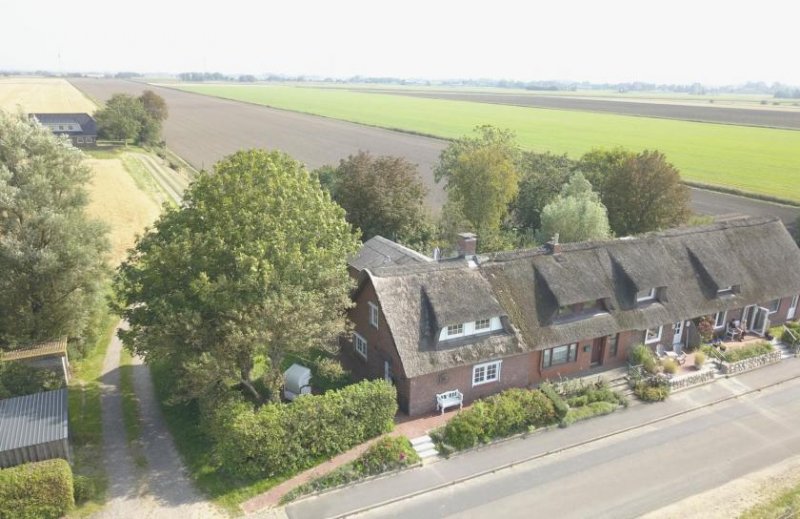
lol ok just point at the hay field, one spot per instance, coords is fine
(42, 95)
(116, 200)
(756, 160)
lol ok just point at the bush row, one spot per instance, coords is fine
(285, 438)
(504, 414)
(39, 490)
(388, 453)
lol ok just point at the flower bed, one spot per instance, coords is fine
(750, 363)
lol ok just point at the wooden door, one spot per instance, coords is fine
(598, 347)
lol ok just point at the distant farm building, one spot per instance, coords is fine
(34, 428)
(80, 128)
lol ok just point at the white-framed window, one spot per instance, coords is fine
(373, 314)
(484, 373)
(483, 325)
(560, 355)
(719, 319)
(652, 335)
(455, 330)
(646, 295)
(360, 344)
(774, 306)
(724, 291)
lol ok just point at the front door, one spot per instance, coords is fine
(792, 308)
(761, 321)
(677, 335)
(598, 346)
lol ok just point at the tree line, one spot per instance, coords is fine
(135, 119)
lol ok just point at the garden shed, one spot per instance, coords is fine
(34, 428)
(297, 381)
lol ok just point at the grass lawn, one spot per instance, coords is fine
(85, 423)
(757, 160)
(784, 506)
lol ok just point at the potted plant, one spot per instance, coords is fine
(699, 359)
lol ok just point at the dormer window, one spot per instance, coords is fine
(455, 330)
(478, 327)
(646, 295)
(581, 310)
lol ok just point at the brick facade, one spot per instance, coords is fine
(416, 396)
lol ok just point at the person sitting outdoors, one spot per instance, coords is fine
(738, 331)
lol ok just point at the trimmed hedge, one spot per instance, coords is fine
(39, 490)
(285, 438)
(559, 404)
(510, 412)
(388, 453)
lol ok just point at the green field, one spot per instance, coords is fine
(757, 160)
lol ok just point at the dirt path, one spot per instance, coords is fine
(161, 490)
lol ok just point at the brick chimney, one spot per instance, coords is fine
(467, 244)
(553, 246)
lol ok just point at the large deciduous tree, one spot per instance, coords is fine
(381, 196)
(129, 118)
(642, 191)
(250, 268)
(543, 176)
(52, 257)
(576, 214)
(481, 175)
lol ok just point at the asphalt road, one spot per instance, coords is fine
(621, 475)
(203, 129)
(787, 118)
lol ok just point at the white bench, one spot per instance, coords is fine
(449, 399)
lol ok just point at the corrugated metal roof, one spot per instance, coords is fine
(33, 419)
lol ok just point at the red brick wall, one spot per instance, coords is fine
(514, 372)
(380, 347)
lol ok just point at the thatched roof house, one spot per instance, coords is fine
(429, 325)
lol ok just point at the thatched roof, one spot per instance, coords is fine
(380, 252)
(419, 300)
(756, 254)
(527, 287)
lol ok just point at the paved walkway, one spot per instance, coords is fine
(501, 455)
(160, 490)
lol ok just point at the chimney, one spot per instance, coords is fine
(467, 244)
(553, 246)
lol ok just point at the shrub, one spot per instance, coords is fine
(388, 453)
(17, 379)
(85, 488)
(510, 412)
(284, 438)
(641, 355)
(747, 352)
(588, 411)
(36, 490)
(655, 389)
(670, 366)
(699, 359)
(329, 374)
(560, 406)
(578, 401)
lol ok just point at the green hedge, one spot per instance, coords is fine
(589, 410)
(285, 438)
(388, 453)
(504, 414)
(36, 490)
(561, 406)
(654, 389)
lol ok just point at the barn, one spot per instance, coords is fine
(34, 428)
(80, 128)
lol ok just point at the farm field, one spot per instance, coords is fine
(689, 110)
(115, 198)
(757, 160)
(42, 95)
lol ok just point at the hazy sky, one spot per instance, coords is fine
(714, 42)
